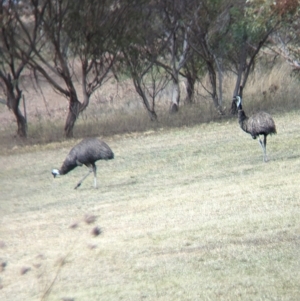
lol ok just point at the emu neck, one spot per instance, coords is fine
(243, 120)
(66, 167)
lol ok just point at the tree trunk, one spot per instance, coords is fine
(242, 61)
(213, 82)
(210, 60)
(140, 91)
(220, 76)
(13, 102)
(190, 89)
(175, 95)
(21, 121)
(153, 116)
(75, 107)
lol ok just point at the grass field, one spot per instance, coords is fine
(186, 214)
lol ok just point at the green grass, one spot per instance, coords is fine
(190, 213)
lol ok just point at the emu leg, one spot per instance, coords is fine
(95, 175)
(80, 182)
(263, 146)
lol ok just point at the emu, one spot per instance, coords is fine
(86, 152)
(260, 123)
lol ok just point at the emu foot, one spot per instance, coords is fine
(77, 185)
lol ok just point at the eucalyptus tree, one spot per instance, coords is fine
(285, 41)
(249, 31)
(228, 36)
(15, 52)
(174, 36)
(141, 46)
(77, 33)
(208, 22)
(194, 70)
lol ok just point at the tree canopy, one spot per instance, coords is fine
(154, 42)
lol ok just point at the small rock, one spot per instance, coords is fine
(74, 225)
(3, 264)
(89, 219)
(96, 231)
(24, 270)
(37, 265)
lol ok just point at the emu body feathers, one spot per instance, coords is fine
(86, 152)
(260, 123)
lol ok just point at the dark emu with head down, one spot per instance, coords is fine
(86, 152)
(260, 123)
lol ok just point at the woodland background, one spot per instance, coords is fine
(124, 66)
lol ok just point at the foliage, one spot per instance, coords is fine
(285, 42)
(187, 39)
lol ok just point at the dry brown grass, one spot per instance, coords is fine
(274, 90)
(116, 108)
(186, 214)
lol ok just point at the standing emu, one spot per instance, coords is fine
(260, 123)
(86, 152)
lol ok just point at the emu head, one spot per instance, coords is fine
(55, 172)
(238, 101)
(236, 104)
